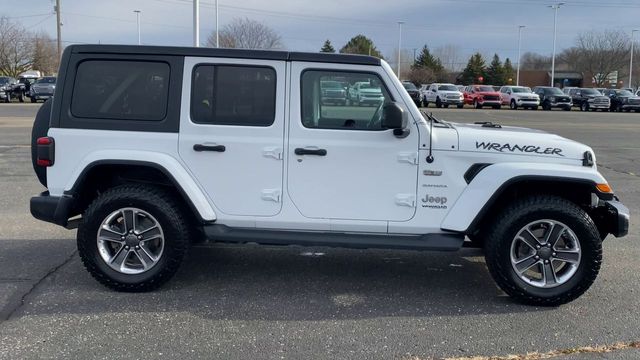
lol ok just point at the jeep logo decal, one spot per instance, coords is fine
(518, 148)
(434, 202)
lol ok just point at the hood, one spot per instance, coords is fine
(494, 93)
(518, 141)
(450, 92)
(371, 91)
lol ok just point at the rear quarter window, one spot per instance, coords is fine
(121, 90)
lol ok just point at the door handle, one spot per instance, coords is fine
(201, 147)
(303, 151)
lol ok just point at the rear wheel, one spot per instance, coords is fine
(584, 106)
(544, 250)
(133, 237)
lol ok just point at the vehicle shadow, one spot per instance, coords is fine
(293, 284)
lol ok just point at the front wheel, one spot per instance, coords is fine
(133, 237)
(544, 250)
(584, 106)
(513, 105)
(476, 104)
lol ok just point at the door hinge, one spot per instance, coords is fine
(271, 195)
(272, 152)
(408, 200)
(408, 157)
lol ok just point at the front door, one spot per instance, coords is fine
(232, 132)
(341, 163)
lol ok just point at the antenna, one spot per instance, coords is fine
(430, 156)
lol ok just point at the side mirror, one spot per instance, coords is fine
(509, 92)
(393, 117)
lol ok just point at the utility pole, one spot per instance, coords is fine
(399, 46)
(196, 23)
(58, 29)
(631, 61)
(138, 22)
(519, 48)
(217, 28)
(555, 23)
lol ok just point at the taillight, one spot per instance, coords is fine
(46, 151)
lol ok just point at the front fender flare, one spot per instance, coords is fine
(487, 186)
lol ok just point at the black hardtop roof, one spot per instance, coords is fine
(224, 53)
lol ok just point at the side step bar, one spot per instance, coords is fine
(436, 242)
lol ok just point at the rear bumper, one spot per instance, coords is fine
(617, 218)
(53, 209)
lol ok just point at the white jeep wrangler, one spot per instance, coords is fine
(146, 149)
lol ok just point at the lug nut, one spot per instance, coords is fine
(126, 247)
(537, 257)
(546, 261)
(548, 245)
(121, 237)
(131, 231)
(139, 237)
(553, 254)
(537, 246)
(137, 247)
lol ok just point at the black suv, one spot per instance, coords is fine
(623, 100)
(552, 97)
(413, 92)
(589, 99)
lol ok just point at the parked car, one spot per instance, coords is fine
(20, 89)
(423, 92)
(589, 99)
(42, 89)
(519, 96)
(482, 95)
(141, 180)
(443, 95)
(365, 93)
(413, 91)
(496, 87)
(6, 83)
(333, 92)
(623, 100)
(552, 97)
(567, 89)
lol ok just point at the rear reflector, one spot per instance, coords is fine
(45, 151)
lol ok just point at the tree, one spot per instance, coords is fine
(244, 33)
(16, 48)
(495, 72)
(421, 75)
(534, 61)
(361, 44)
(426, 61)
(602, 53)
(509, 72)
(45, 54)
(475, 69)
(449, 56)
(327, 47)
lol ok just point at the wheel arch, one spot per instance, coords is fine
(101, 174)
(488, 192)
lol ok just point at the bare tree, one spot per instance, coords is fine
(535, 61)
(45, 54)
(602, 53)
(421, 75)
(16, 48)
(244, 33)
(570, 58)
(449, 56)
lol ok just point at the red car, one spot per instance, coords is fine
(482, 95)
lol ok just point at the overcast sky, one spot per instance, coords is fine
(487, 26)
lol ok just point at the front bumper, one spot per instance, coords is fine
(598, 105)
(521, 102)
(39, 96)
(616, 218)
(631, 107)
(489, 102)
(452, 101)
(53, 209)
(561, 104)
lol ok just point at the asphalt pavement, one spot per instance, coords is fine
(268, 302)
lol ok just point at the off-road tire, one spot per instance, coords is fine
(158, 202)
(515, 217)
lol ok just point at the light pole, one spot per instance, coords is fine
(519, 48)
(196, 23)
(555, 26)
(631, 61)
(138, 22)
(399, 45)
(217, 36)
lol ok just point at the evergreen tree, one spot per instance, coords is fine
(495, 72)
(509, 72)
(427, 61)
(327, 47)
(475, 69)
(361, 44)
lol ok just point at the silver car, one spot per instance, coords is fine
(42, 89)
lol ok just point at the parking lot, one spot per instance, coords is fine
(269, 302)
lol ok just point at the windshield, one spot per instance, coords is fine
(484, 88)
(4, 80)
(590, 92)
(447, 88)
(624, 93)
(47, 80)
(554, 91)
(521, 90)
(409, 86)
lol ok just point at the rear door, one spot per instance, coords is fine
(232, 132)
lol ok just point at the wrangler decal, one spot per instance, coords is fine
(518, 148)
